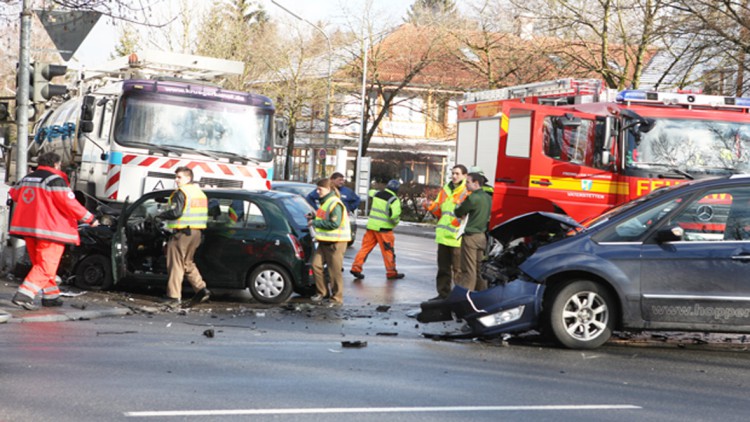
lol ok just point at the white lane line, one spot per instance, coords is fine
(307, 411)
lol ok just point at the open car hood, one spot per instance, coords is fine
(533, 223)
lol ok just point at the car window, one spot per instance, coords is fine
(719, 214)
(297, 208)
(149, 208)
(236, 213)
(633, 228)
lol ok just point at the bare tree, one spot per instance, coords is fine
(611, 38)
(720, 30)
(290, 69)
(396, 60)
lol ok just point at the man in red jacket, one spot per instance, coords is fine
(45, 216)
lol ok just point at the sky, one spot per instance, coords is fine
(99, 44)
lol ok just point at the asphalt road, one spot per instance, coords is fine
(231, 359)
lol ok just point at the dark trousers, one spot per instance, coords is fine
(448, 261)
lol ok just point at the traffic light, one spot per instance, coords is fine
(43, 90)
(4, 113)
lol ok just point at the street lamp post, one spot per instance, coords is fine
(328, 85)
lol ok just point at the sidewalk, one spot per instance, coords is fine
(74, 308)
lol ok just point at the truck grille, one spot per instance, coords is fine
(212, 182)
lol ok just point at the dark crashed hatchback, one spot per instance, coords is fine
(676, 259)
(257, 240)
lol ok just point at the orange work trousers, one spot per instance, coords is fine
(45, 258)
(386, 240)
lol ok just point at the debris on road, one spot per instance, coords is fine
(353, 344)
(209, 333)
(383, 308)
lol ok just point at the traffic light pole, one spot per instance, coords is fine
(22, 93)
(22, 112)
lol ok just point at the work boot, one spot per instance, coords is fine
(358, 275)
(201, 296)
(316, 298)
(397, 276)
(24, 302)
(52, 302)
(170, 302)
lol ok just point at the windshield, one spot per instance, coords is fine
(692, 146)
(593, 222)
(181, 124)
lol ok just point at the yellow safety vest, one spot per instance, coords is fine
(195, 210)
(446, 232)
(341, 234)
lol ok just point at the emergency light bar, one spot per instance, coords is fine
(689, 100)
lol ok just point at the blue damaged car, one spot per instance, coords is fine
(676, 259)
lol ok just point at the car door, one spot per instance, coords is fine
(137, 244)
(234, 241)
(549, 160)
(701, 280)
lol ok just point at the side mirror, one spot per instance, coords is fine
(281, 134)
(87, 126)
(606, 157)
(87, 109)
(672, 233)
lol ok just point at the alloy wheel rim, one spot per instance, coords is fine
(585, 316)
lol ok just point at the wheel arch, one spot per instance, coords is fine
(556, 282)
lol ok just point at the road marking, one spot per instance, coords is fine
(309, 411)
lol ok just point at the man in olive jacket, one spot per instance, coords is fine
(476, 208)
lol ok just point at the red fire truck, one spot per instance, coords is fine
(572, 146)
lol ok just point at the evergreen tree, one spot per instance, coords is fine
(430, 12)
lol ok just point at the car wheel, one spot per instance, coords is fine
(94, 273)
(269, 283)
(581, 315)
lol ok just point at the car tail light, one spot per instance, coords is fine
(298, 251)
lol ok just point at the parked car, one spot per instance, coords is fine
(676, 259)
(303, 189)
(254, 239)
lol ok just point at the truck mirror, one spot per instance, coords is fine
(646, 125)
(281, 134)
(87, 109)
(87, 126)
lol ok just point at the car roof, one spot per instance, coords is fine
(291, 183)
(235, 191)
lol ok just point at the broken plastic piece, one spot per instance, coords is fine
(354, 344)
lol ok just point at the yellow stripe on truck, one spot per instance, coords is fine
(579, 185)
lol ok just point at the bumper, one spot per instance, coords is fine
(510, 308)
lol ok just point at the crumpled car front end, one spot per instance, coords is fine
(510, 308)
(513, 301)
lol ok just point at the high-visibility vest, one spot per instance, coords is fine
(384, 214)
(446, 232)
(343, 233)
(195, 210)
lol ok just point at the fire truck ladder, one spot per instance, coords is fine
(556, 89)
(151, 63)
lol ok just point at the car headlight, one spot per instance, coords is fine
(503, 317)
